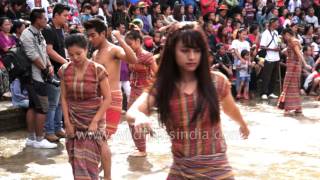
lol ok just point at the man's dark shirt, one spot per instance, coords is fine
(225, 60)
(55, 37)
(13, 15)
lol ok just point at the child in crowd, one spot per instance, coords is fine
(86, 13)
(243, 66)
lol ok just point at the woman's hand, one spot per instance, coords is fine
(143, 125)
(93, 127)
(244, 131)
(70, 131)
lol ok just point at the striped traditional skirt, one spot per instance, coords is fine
(204, 167)
(84, 150)
(290, 97)
(113, 114)
(134, 94)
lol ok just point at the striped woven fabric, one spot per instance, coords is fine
(84, 100)
(204, 167)
(291, 86)
(198, 147)
(140, 73)
(200, 137)
(140, 79)
(113, 114)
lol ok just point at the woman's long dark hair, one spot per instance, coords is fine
(223, 38)
(168, 75)
(177, 12)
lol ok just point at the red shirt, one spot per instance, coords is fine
(280, 3)
(211, 8)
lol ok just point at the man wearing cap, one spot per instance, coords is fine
(143, 16)
(269, 42)
(223, 11)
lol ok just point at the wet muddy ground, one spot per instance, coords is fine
(279, 148)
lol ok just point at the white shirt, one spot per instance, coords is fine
(240, 46)
(293, 4)
(286, 22)
(266, 37)
(312, 20)
(309, 79)
(44, 3)
(315, 48)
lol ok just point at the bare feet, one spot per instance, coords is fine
(138, 154)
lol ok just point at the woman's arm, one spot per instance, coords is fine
(64, 105)
(106, 94)
(139, 112)
(229, 108)
(297, 50)
(154, 68)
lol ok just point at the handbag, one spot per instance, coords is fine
(263, 52)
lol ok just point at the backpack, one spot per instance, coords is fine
(4, 80)
(17, 63)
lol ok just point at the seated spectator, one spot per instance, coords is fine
(308, 35)
(19, 94)
(315, 46)
(147, 26)
(6, 39)
(4, 8)
(223, 61)
(250, 11)
(293, 4)
(312, 83)
(86, 13)
(17, 29)
(283, 16)
(208, 29)
(189, 13)
(311, 18)
(15, 8)
(287, 22)
(179, 13)
(296, 18)
(167, 17)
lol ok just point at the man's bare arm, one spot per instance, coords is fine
(127, 54)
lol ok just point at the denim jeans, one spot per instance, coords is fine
(22, 104)
(54, 115)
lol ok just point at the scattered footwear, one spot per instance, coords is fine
(61, 134)
(273, 96)
(264, 97)
(44, 144)
(29, 142)
(52, 137)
